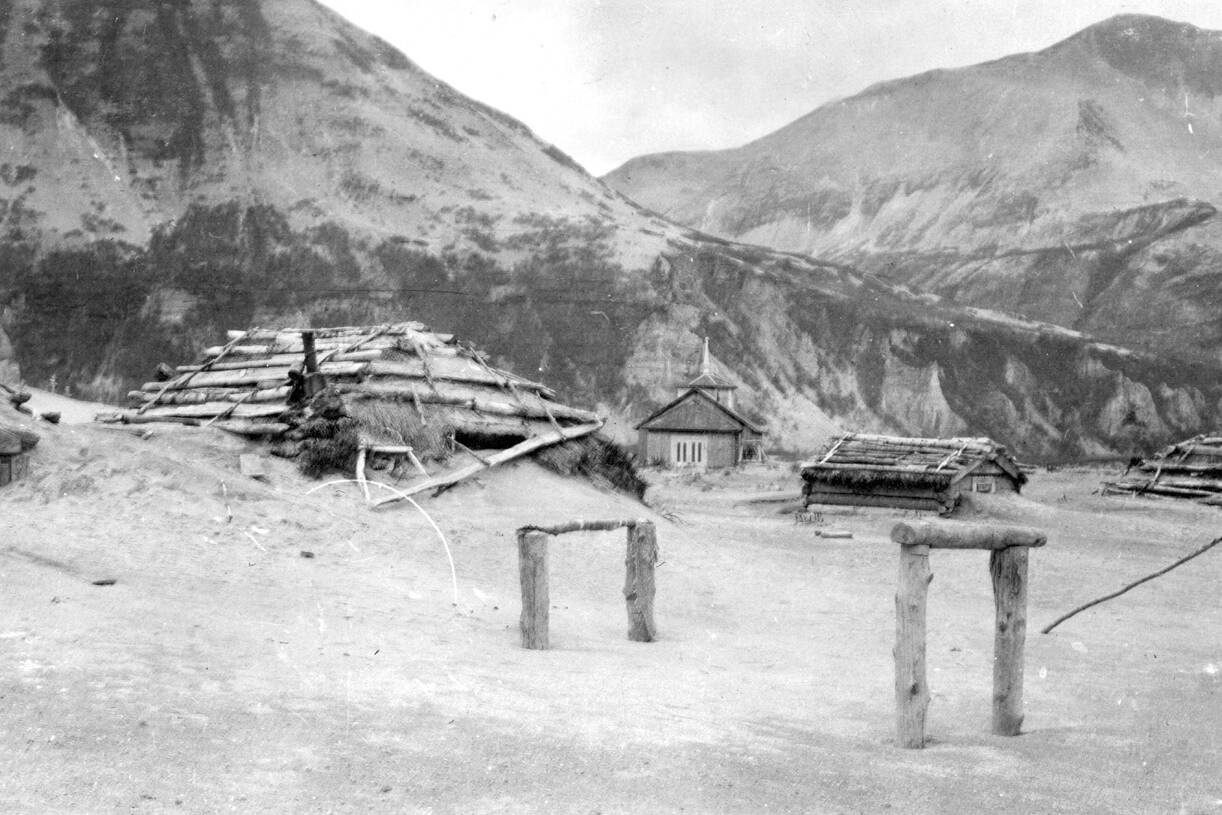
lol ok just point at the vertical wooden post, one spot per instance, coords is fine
(532, 570)
(911, 687)
(1008, 568)
(639, 584)
(311, 356)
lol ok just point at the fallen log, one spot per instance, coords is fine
(501, 457)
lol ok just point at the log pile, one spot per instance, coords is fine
(1191, 469)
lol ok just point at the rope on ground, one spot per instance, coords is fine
(420, 509)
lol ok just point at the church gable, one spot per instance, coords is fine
(696, 412)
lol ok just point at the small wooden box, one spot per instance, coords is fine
(13, 468)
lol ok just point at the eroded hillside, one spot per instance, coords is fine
(308, 174)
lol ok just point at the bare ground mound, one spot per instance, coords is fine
(223, 671)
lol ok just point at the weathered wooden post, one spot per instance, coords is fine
(639, 587)
(1008, 568)
(1008, 547)
(532, 569)
(911, 687)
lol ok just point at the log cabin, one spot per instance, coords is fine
(861, 469)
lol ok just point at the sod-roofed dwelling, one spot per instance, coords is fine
(861, 469)
(396, 391)
(1190, 469)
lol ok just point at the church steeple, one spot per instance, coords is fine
(716, 386)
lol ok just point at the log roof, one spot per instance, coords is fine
(864, 459)
(245, 385)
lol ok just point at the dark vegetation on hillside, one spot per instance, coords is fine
(103, 315)
(98, 319)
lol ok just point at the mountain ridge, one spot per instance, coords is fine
(920, 179)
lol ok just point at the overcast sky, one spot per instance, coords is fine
(606, 80)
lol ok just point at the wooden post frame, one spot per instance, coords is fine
(639, 584)
(639, 587)
(532, 570)
(1008, 553)
(911, 686)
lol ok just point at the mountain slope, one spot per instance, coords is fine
(180, 169)
(1029, 184)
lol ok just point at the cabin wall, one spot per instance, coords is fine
(655, 447)
(988, 478)
(879, 496)
(723, 449)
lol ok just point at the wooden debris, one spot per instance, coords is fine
(1190, 469)
(501, 457)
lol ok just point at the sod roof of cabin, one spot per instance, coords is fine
(859, 459)
(246, 383)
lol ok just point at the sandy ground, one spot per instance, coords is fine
(72, 411)
(223, 671)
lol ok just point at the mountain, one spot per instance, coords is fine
(1075, 185)
(177, 169)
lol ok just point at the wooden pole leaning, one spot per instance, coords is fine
(639, 584)
(1008, 547)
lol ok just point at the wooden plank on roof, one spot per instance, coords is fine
(952, 457)
(210, 409)
(452, 369)
(265, 377)
(196, 395)
(835, 447)
(181, 381)
(368, 338)
(289, 359)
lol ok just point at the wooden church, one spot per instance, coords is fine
(700, 429)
